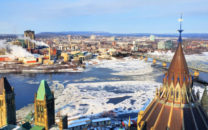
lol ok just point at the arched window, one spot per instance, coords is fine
(171, 91)
(177, 94)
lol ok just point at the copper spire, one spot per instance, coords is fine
(178, 70)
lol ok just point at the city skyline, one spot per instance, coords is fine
(114, 16)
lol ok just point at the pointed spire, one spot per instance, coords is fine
(178, 70)
(129, 124)
(43, 91)
(180, 30)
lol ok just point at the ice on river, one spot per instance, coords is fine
(93, 98)
(79, 99)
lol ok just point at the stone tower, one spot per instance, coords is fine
(44, 106)
(7, 103)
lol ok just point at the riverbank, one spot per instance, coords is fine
(11, 67)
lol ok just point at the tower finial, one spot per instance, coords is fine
(180, 30)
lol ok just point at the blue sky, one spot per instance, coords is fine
(116, 16)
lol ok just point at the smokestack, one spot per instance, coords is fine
(33, 45)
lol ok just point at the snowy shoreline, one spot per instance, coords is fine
(41, 71)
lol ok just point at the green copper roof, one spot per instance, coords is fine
(44, 90)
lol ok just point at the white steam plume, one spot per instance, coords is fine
(14, 51)
(37, 43)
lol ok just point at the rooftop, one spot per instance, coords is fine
(43, 91)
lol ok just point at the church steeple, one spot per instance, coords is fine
(178, 71)
(180, 30)
(175, 105)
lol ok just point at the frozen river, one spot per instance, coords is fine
(121, 85)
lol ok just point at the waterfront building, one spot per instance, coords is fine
(7, 104)
(44, 107)
(175, 105)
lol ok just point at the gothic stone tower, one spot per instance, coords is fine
(7, 103)
(44, 106)
(175, 106)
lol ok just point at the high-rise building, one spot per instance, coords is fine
(29, 35)
(175, 106)
(7, 104)
(69, 38)
(168, 44)
(152, 38)
(165, 44)
(44, 106)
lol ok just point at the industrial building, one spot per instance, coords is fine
(29, 35)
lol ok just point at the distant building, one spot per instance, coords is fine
(69, 38)
(93, 37)
(29, 35)
(44, 107)
(7, 104)
(111, 38)
(161, 45)
(152, 38)
(168, 44)
(102, 122)
(165, 44)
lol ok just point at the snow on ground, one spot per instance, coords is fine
(162, 53)
(198, 57)
(189, 58)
